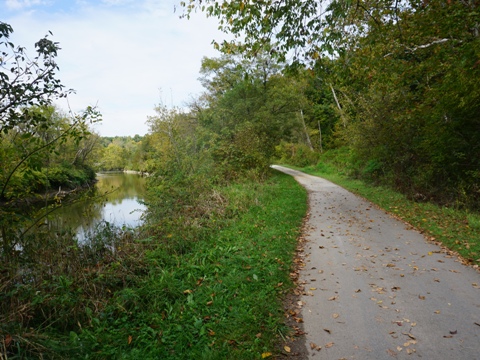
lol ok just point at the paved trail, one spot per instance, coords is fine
(375, 289)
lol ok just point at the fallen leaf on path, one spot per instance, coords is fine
(329, 345)
(391, 353)
(314, 346)
(327, 330)
(333, 298)
(335, 316)
(287, 349)
(453, 332)
(266, 355)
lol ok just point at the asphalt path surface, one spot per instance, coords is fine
(375, 288)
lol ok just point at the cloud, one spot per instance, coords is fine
(126, 56)
(25, 4)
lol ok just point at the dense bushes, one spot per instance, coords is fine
(296, 154)
(67, 176)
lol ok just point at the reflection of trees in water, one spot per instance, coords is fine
(121, 186)
(82, 213)
(87, 211)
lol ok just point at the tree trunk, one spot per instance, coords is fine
(309, 143)
(320, 132)
(342, 115)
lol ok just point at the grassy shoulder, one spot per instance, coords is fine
(457, 230)
(218, 297)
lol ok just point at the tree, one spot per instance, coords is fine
(30, 128)
(401, 74)
(26, 83)
(251, 106)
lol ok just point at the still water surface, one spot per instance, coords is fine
(117, 200)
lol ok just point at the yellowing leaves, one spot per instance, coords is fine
(266, 355)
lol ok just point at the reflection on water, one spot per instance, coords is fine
(115, 199)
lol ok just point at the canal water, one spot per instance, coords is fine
(116, 200)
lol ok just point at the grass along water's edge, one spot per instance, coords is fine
(219, 299)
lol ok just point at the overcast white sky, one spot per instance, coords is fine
(125, 55)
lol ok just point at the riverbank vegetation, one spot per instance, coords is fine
(383, 93)
(119, 153)
(41, 148)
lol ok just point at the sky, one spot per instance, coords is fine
(125, 56)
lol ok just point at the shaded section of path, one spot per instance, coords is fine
(374, 288)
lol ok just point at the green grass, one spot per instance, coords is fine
(457, 230)
(220, 298)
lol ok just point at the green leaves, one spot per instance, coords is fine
(25, 82)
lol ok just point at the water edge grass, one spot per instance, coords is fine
(219, 299)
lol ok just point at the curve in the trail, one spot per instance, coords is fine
(375, 288)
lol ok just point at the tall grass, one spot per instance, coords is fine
(219, 298)
(198, 288)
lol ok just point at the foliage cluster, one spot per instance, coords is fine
(401, 77)
(122, 153)
(40, 148)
